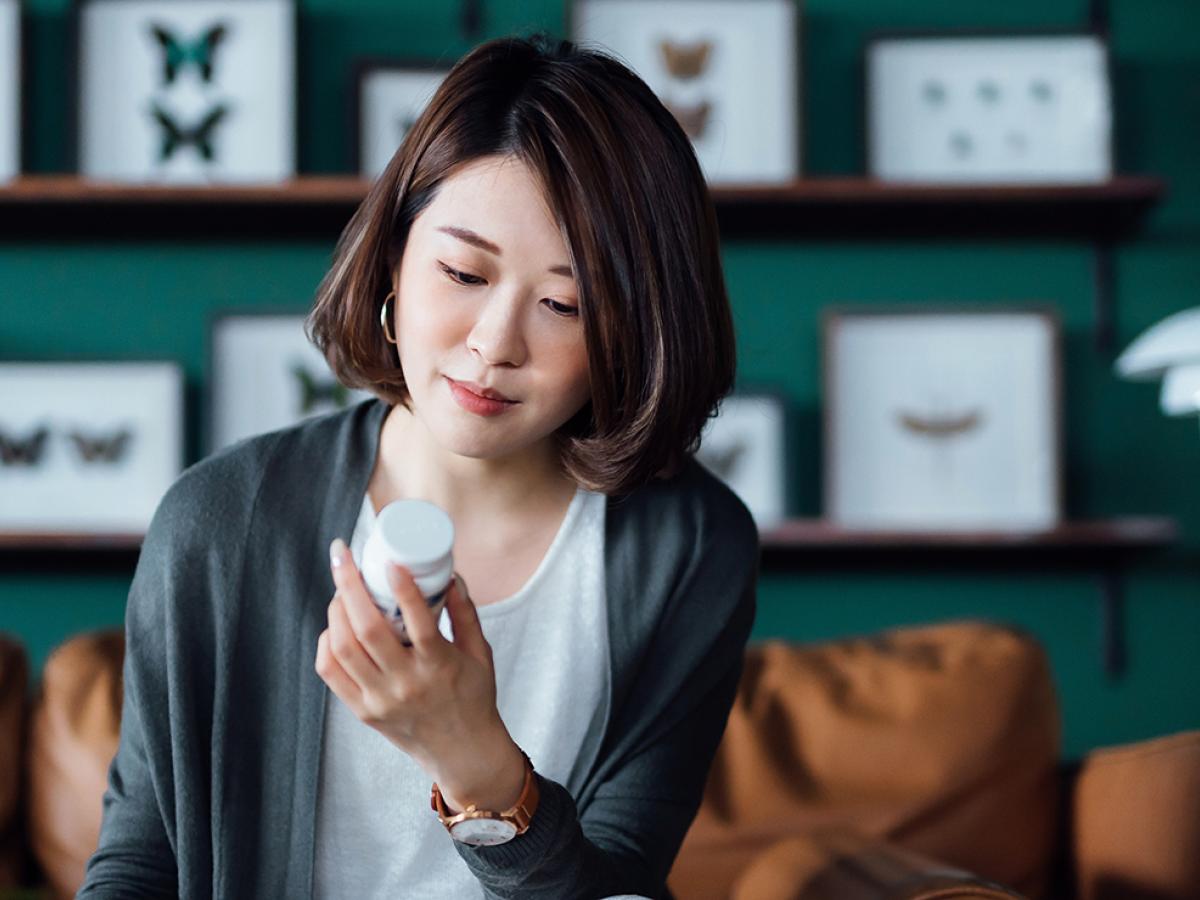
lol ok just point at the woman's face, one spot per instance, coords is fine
(486, 301)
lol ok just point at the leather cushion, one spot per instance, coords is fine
(74, 731)
(1137, 820)
(942, 739)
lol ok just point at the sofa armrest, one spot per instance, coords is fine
(845, 865)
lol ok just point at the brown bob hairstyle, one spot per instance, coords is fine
(622, 180)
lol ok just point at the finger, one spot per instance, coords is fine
(418, 618)
(334, 675)
(369, 624)
(464, 620)
(352, 656)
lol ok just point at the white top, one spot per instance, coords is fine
(375, 833)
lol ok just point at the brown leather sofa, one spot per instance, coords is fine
(914, 764)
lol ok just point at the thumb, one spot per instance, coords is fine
(464, 621)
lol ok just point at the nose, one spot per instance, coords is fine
(496, 336)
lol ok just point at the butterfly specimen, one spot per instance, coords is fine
(685, 61)
(101, 449)
(200, 136)
(314, 391)
(26, 451)
(940, 426)
(693, 119)
(178, 53)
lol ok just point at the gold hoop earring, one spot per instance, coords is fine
(384, 317)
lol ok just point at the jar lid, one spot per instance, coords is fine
(418, 534)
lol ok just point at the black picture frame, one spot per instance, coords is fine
(215, 318)
(363, 67)
(880, 35)
(74, 90)
(785, 471)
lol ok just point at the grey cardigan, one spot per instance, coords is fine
(213, 789)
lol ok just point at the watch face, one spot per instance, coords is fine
(483, 832)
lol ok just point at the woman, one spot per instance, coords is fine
(533, 291)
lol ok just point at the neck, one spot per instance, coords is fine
(413, 465)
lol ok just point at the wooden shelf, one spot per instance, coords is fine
(837, 208)
(797, 537)
(1128, 532)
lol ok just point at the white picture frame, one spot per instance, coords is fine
(88, 447)
(11, 83)
(989, 109)
(264, 374)
(390, 95)
(746, 446)
(943, 418)
(199, 92)
(728, 69)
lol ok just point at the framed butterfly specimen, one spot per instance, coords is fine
(747, 446)
(389, 94)
(986, 107)
(13, 26)
(728, 70)
(88, 447)
(264, 374)
(943, 418)
(185, 91)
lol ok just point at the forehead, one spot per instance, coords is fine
(498, 197)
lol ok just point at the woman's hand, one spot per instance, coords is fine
(436, 700)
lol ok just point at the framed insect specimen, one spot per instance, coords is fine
(185, 91)
(12, 81)
(746, 445)
(389, 94)
(265, 374)
(728, 70)
(972, 107)
(88, 447)
(943, 417)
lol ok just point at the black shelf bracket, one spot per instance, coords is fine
(1112, 622)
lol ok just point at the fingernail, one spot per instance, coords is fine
(337, 552)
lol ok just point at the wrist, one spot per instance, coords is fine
(492, 781)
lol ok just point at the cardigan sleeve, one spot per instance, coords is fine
(627, 836)
(135, 856)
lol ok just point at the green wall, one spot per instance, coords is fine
(114, 299)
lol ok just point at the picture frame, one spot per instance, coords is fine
(14, 125)
(747, 445)
(389, 94)
(943, 417)
(264, 374)
(88, 447)
(184, 91)
(728, 69)
(989, 107)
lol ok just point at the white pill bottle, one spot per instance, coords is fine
(419, 536)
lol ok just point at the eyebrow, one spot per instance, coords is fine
(476, 240)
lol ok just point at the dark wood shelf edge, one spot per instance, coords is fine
(794, 535)
(1117, 533)
(837, 208)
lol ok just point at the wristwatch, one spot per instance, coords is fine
(483, 827)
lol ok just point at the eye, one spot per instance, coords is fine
(562, 309)
(460, 277)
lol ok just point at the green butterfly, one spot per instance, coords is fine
(314, 391)
(178, 53)
(176, 136)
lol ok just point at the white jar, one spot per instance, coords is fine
(419, 536)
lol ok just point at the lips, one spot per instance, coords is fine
(480, 391)
(478, 400)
